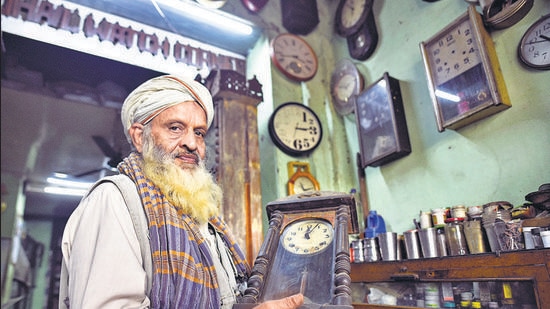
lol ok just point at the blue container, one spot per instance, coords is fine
(375, 225)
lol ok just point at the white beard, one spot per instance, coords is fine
(192, 191)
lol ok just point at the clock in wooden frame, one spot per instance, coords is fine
(464, 76)
(305, 250)
(381, 123)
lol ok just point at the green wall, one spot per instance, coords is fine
(502, 157)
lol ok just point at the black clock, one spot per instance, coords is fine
(295, 129)
(299, 16)
(351, 15)
(381, 123)
(306, 250)
(362, 44)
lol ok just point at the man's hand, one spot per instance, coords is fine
(290, 302)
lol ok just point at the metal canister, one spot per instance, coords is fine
(454, 234)
(370, 247)
(357, 249)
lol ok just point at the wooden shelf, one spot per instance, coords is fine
(525, 265)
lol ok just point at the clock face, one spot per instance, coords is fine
(294, 57)
(303, 184)
(534, 47)
(346, 83)
(295, 128)
(463, 72)
(308, 236)
(454, 52)
(350, 15)
(352, 11)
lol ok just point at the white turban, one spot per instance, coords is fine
(152, 97)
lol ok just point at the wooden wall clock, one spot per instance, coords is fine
(300, 178)
(294, 57)
(464, 76)
(305, 250)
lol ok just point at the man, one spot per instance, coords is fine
(195, 261)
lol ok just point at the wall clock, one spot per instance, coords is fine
(351, 15)
(299, 16)
(295, 128)
(305, 250)
(381, 123)
(300, 178)
(345, 84)
(534, 47)
(362, 44)
(294, 57)
(464, 76)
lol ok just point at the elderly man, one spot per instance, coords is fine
(194, 259)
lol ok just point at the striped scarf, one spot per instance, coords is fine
(183, 270)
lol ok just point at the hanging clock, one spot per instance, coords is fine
(306, 251)
(301, 180)
(534, 47)
(381, 123)
(362, 44)
(464, 76)
(294, 57)
(345, 84)
(295, 128)
(351, 15)
(299, 16)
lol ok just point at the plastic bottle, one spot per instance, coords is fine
(375, 225)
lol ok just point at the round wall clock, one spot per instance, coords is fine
(306, 250)
(301, 180)
(294, 57)
(464, 76)
(345, 84)
(351, 15)
(362, 44)
(295, 128)
(534, 47)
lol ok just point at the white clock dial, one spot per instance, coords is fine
(534, 47)
(294, 57)
(352, 11)
(346, 87)
(307, 236)
(295, 128)
(454, 53)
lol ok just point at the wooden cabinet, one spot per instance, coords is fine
(527, 267)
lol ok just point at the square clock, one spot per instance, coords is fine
(381, 123)
(463, 72)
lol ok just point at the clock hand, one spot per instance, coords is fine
(544, 37)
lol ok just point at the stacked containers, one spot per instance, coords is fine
(494, 217)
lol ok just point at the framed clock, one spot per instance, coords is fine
(345, 84)
(305, 250)
(464, 76)
(294, 57)
(301, 180)
(295, 129)
(381, 123)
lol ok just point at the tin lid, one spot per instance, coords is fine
(451, 220)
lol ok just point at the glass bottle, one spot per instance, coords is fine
(454, 234)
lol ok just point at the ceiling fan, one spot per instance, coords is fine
(112, 157)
